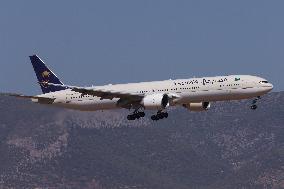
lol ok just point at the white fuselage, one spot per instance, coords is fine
(186, 91)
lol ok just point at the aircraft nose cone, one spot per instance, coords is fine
(269, 87)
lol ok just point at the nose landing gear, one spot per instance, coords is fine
(253, 105)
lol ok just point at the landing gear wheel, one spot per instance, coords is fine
(131, 117)
(136, 115)
(253, 107)
(141, 114)
(160, 115)
(154, 117)
(166, 115)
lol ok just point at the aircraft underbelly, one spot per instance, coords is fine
(90, 105)
(220, 95)
(245, 93)
(204, 96)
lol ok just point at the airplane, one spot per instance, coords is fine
(194, 94)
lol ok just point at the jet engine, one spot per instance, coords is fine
(156, 101)
(197, 107)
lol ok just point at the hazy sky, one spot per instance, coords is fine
(119, 41)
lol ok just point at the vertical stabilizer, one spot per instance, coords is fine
(44, 74)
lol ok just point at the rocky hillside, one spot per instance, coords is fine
(230, 146)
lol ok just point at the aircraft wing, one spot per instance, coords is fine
(103, 93)
(126, 99)
(108, 94)
(44, 100)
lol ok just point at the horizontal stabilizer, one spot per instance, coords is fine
(42, 100)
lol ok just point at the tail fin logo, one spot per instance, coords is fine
(45, 75)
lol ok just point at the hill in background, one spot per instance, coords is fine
(229, 146)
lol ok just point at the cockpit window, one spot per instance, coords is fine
(264, 82)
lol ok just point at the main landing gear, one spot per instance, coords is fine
(160, 115)
(253, 105)
(136, 115)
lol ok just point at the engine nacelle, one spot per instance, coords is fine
(197, 107)
(156, 101)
